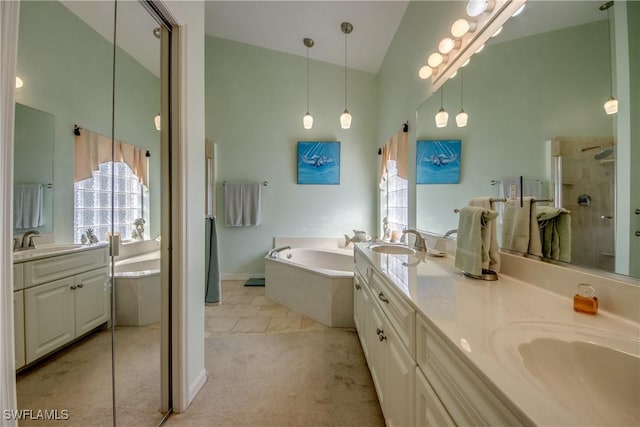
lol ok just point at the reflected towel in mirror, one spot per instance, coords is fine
(28, 206)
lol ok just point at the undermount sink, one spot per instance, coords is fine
(592, 372)
(392, 249)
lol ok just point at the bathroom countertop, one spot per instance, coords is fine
(473, 315)
(46, 251)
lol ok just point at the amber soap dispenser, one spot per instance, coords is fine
(585, 301)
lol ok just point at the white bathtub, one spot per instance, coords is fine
(138, 290)
(315, 282)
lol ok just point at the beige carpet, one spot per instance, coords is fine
(306, 378)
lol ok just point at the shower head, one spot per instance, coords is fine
(604, 153)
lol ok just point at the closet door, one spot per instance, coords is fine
(139, 318)
(65, 61)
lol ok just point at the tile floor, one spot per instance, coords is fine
(245, 310)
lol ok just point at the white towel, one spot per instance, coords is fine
(233, 202)
(27, 206)
(491, 255)
(243, 204)
(252, 203)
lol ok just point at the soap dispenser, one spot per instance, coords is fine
(585, 301)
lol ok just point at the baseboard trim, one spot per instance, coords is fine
(197, 385)
(242, 276)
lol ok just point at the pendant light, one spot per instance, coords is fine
(157, 121)
(611, 105)
(345, 118)
(307, 120)
(462, 117)
(442, 117)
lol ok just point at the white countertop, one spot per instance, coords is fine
(46, 251)
(474, 316)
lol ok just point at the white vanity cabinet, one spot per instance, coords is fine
(65, 296)
(385, 347)
(18, 326)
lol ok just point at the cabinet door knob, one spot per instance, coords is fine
(637, 233)
(383, 298)
(72, 287)
(382, 337)
(80, 285)
(357, 286)
(637, 211)
(379, 331)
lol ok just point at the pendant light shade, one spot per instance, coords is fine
(157, 121)
(345, 118)
(19, 82)
(611, 105)
(442, 117)
(307, 120)
(425, 72)
(462, 117)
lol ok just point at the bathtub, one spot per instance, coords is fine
(138, 289)
(315, 282)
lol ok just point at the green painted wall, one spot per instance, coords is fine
(255, 100)
(67, 71)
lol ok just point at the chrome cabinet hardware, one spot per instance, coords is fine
(358, 286)
(382, 337)
(637, 211)
(637, 233)
(606, 217)
(382, 297)
(80, 286)
(73, 287)
(379, 331)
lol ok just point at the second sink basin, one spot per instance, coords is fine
(392, 249)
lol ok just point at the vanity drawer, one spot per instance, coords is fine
(57, 267)
(467, 399)
(18, 276)
(401, 315)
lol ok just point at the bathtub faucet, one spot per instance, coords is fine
(419, 244)
(273, 253)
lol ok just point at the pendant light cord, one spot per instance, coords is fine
(307, 79)
(441, 96)
(610, 53)
(461, 89)
(345, 70)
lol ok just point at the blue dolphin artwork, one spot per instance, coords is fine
(438, 162)
(319, 162)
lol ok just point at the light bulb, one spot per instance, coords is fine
(498, 31)
(345, 120)
(19, 82)
(462, 27)
(466, 62)
(519, 11)
(477, 7)
(425, 72)
(307, 121)
(447, 45)
(480, 49)
(462, 118)
(453, 75)
(435, 59)
(156, 121)
(442, 118)
(611, 106)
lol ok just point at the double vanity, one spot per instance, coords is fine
(445, 349)
(61, 292)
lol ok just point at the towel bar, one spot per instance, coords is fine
(492, 200)
(265, 183)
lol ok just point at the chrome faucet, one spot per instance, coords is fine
(27, 239)
(450, 232)
(419, 244)
(273, 253)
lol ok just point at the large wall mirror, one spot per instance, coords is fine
(535, 99)
(86, 131)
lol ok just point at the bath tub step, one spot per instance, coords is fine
(255, 281)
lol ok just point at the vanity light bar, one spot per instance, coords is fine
(486, 25)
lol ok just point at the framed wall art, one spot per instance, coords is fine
(438, 162)
(319, 163)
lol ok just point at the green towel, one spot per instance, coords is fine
(555, 230)
(471, 251)
(520, 229)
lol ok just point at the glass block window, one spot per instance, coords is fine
(93, 199)
(394, 198)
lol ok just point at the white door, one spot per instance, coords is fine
(18, 323)
(91, 300)
(430, 412)
(376, 349)
(49, 317)
(399, 380)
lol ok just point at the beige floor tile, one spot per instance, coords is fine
(252, 324)
(310, 324)
(219, 310)
(294, 314)
(273, 310)
(242, 310)
(254, 290)
(284, 324)
(262, 300)
(237, 299)
(220, 324)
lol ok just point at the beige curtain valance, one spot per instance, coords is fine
(396, 149)
(92, 149)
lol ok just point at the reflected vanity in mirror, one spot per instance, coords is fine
(538, 86)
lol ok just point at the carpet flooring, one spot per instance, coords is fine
(305, 378)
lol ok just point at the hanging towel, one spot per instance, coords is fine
(27, 206)
(471, 250)
(233, 202)
(252, 203)
(213, 292)
(555, 231)
(489, 236)
(520, 230)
